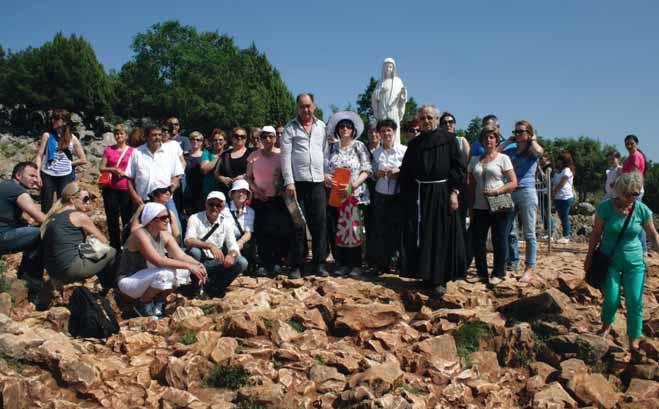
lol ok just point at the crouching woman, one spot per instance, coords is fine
(152, 264)
(65, 228)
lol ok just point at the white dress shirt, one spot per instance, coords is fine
(199, 226)
(146, 168)
(387, 159)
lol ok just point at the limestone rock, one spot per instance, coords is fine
(553, 396)
(359, 317)
(552, 301)
(640, 389)
(594, 389)
(379, 378)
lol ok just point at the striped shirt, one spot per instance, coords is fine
(61, 165)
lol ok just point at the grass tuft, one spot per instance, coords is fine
(227, 376)
(297, 325)
(468, 337)
(189, 338)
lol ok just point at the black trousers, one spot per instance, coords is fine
(313, 200)
(385, 237)
(343, 256)
(117, 205)
(50, 186)
(483, 221)
(274, 232)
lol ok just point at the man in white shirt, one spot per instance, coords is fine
(150, 163)
(302, 160)
(210, 239)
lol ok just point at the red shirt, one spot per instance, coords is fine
(112, 154)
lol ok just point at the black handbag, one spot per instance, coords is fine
(600, 262)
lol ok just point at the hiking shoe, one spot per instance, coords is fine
(322, 271)
(261, 272)
(144, 309)
(294, 274)
(496, 280)
(276, 270)
(341, 271)
(563, 240)
(356, 272)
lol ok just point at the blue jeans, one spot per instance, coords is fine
(512, 251)
(484, 221)
(563, 207)
(27, 240)
(526, 204)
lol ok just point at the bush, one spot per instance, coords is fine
(468, 337)
(227, 376)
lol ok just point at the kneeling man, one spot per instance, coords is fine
(210, 239)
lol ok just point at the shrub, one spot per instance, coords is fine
(227, 376)
(189, 338)
(468, 337)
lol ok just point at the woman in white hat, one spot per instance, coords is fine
(243, 217)
(152, 263)
(352, 154)
(162, 193)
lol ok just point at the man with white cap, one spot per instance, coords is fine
(208, 235)
(302, 156)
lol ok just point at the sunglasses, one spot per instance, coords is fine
(348, 126)
(280, 133)
(86, 199)
(520, 131)
(240, 136)
(448, 122)
(164, 218)
(162, 191)
(268, 135)
(196, 139)
(414, 130)
(215, 204)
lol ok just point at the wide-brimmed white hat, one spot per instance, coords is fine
(340, 116)
(240, 184)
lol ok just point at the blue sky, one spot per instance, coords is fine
(570, 67)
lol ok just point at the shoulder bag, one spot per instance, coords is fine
(503, 202)
(600, 262)
(105, 178)
(93, 249)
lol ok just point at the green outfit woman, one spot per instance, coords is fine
(627, 267)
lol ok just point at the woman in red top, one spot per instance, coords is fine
(636, 163)
(116, 199)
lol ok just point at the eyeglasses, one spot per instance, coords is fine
(215, 204)
(520, 131)
(196, 139)
(414, 130)
(447, 122)
(427, 118)
(164, 219)
(240, 136)
(218, 140)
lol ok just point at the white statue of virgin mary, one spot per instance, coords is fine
(390, 96)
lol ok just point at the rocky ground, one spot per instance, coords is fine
(341, 343)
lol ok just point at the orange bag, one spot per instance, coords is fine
(342, 177)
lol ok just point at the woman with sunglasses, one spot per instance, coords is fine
(66, 226)
(193, 199)
(347, 153)
(232, 165)
(54, 159)
(525, 157)
(627, 265)
(152, 264)
(162, 193)
(215, 146)
(447, 121)
(413, 130)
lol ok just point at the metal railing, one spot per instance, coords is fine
(543, 189)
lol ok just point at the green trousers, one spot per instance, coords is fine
(629, 270)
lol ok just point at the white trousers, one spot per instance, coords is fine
(163, 279)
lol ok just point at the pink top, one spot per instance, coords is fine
(266, 171)
(635, 161)
(112, 154)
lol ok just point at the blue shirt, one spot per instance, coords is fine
(477, 148)
(525, 167)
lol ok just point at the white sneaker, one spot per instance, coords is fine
(563, 240)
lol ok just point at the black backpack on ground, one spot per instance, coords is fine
(91, 315)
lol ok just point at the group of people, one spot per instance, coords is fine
(198, 212)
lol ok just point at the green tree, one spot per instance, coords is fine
(473, 129)
(203, 78)
(651, 182)
(62, 73)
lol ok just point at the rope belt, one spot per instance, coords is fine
(418, 205)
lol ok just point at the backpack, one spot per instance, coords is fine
(91, 315)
